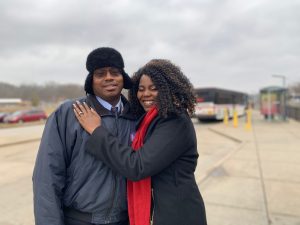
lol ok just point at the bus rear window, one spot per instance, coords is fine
(199, 99)
(205, 97)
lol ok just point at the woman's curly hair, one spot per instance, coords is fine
(175, 91)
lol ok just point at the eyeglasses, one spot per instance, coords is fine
(99, 73)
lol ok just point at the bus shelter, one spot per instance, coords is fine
(273, 102)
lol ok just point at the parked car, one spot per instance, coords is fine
(2, 116)
(26, 116)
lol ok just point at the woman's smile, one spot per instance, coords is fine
(147, 93)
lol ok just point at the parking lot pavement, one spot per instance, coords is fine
(246, 177)
(259, 181)
(22, 134)
(16, 166)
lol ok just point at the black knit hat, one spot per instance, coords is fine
(104, 57)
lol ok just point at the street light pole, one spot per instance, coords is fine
(283, 94)
(281, 77)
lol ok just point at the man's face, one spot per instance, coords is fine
(108, 84)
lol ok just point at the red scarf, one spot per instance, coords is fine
(139, 192)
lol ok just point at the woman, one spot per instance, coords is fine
(160, 164)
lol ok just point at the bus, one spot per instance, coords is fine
(212, 103)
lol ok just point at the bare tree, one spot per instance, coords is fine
(50, 92)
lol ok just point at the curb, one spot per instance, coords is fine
(226, 135)
(219, 163)
(19, 142)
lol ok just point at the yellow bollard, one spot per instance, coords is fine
(248, 125)
(235, 118)
(225, 120)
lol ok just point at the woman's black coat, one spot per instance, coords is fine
(169, 155)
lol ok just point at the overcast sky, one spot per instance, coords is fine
(230, 44)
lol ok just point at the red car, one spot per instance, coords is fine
(2, 116)
(26, 116)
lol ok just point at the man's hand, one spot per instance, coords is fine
(87, 117)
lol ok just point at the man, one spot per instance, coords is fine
(70, 187)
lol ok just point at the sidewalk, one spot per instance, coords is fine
(19, 135)
(245, 177)
(259, 182)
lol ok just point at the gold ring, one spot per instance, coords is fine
(80, 113)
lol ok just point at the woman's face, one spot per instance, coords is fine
(147, 93)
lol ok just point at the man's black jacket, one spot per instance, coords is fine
(65, 175)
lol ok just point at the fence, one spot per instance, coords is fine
(293, 112)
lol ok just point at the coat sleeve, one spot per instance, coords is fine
(49, 174)
(169, 139)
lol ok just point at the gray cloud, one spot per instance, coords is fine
(224, 43)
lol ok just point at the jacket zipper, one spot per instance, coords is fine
(113, 198)
(115, 178)
(152, 216)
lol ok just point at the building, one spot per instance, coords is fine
(10, 101)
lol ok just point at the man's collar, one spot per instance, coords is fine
(108, 106)
(125, 113)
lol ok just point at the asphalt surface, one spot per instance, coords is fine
(245, 176)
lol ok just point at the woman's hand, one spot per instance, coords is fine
(87, 117)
